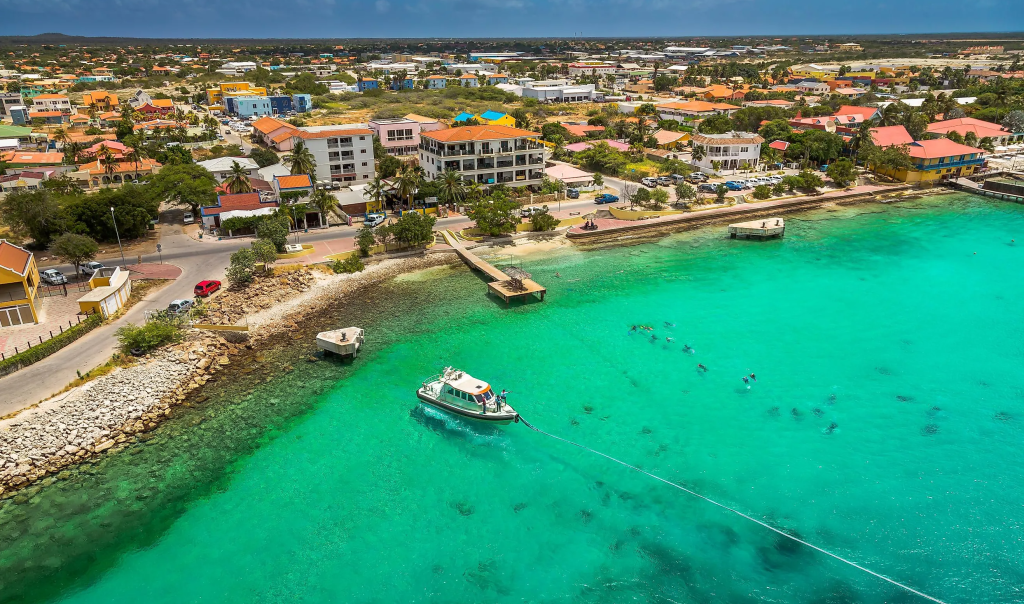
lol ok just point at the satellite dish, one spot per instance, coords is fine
(830, 126)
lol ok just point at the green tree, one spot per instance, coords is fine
(543, 220)
(778, 189)
(37, 215)
(365, 240)
(452, 187)
(238, 180)
(762, 192)
(300, 160)
(75, 249)
(890, 160)
(552, 129)
(413, 228)
(137, 339)
(642, 197)
(810, 180)
(720, 192)
(716, 124)
(685, 192)
(698, 153)
(521, 117)
(775, 130)
(188, 185)
(264, 252)
(842, 172)
(274, 230)
(498, 216)
(1013, 121)
(242, 267)
(659, 198)
(325, 203)
(263, 157)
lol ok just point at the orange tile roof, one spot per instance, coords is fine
(280, 138)
(436, 77)
(98, 168)
(42, 159)
(328, 133)
(162, 103)
(50, 97)
(33, 114)
(582, 130)
(963, 125)
(699, 106)
(267, 124)
(888, 136)
(295, 181)
(940, 147)
(14, 258)
(477, 133)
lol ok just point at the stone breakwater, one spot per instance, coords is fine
(107, 412)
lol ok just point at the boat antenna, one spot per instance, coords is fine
(735, 511)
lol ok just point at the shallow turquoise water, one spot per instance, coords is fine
(885, 424)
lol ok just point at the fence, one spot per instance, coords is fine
(48, 291)
(28, 343)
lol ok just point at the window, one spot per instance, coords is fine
(364, 164)
(362, 150)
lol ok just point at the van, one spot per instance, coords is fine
(647, 181)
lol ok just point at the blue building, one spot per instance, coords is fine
(245, 106)
(406, 83)
(280, 104)
(364, 84)
(302, 103)
(19, 115)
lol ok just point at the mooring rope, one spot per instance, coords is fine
(735, 511)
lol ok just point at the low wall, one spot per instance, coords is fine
(624, 214)
(212, 327)
(307, 249)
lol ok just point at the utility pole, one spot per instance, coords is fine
(124, 263)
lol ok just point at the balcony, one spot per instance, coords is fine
(484, 165)
(950, 164)
(505, 163)
(536, 161)
(486, 151)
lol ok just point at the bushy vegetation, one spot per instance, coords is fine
(543, 220)
(136, 339)
(352, 264)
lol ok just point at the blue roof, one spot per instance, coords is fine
(491, 115)
(463, 116)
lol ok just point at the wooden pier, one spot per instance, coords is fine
(502, 285)
(766, 228)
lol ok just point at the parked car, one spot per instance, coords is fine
(572, 193)
(665, 180)
(697, 177)
(677, 178)
(53, 276)
(373, 220)
(206, 287)
(91, 267)
(733, 186)
(189, 218)
(527, 212)
(605, 198)
(707, 188)
(179, 307)
(647, 181)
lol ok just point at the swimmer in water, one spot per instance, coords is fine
(669, 340)
(687, 349)
(634, 329)
(667, 324)
(557, 274)
(653, 337)
(753, 377)
(702, 367)
(746, 380)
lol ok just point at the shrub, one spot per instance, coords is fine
(365, 240)
(762, 192)
(544, 221)
(243, 264)
(274, 230)
(778, 188)
(148, 337)
(659, 197)
(352, 264)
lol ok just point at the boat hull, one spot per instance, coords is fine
(491, 418)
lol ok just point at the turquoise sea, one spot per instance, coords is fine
(885, 424)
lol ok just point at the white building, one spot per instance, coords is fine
(731, 150)
(343, 153)
(51, 102)
(557, 91)
(486, 155)
(221, 167)
(471, 68)
(586, 68)
(236, 67)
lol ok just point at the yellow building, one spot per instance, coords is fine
(931, 159)
(215, 96)
(111, 289)
(101, 100)
(19, 284)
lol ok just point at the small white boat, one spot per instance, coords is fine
(458, 392)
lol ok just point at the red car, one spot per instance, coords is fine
(205, 288)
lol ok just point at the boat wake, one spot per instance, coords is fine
(448, 424)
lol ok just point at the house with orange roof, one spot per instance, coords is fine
(113, 173)
(469, 80)
(980, 128)
(488, 154)
(236, 205)
(100, 100)
(720, 92)
(583, 130)
(156, 108)
(19, 285)
(681, 111)
(497, 78)
(780, 103)
(50, 118)
(931, 160)
(436, 82)
(274, 133)
(51, 102)
(29, 159)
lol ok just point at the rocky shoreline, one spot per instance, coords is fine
(110, 412)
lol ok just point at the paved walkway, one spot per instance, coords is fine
(153, 271)
(612, 225)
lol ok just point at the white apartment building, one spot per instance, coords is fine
(51, 102)
(486, 155)
(732, 150)
(585, 68)
(222, 167)
(343, 153)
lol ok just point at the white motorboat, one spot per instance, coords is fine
(458, 392)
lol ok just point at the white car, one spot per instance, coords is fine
(189, 218)
(373, 220)
(53, 276)
(89, 268)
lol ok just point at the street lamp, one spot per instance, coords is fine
(124, 263)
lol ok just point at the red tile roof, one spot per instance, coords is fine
(477, 133)
(577, 130)
(865, 113)
(964, 125)
(236, 202)
(940, 147)
(888, 136)
(779, 145)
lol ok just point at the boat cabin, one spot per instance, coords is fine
(467, 392)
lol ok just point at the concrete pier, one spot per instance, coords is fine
(342, 342)
(504, 286)
(766, 228)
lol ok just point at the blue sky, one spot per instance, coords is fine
(502, 18)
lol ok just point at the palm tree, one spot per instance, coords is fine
(301, 160)
(238, 182)
(407, 182)
(698, 153)
(453, 190)
(61, 136)
(325, 202)
(71, 151)
(105, 157)
(521, 117)
(377, 191)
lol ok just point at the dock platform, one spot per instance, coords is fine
(502, 285)
(342, 342)
(766, 228)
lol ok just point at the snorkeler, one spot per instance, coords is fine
(669, 340)
(753, 377)
(702, 367)
(667, 324)
(746, 380)
(687, 349)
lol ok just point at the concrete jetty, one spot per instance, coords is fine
(766, 228)
(507, 287)
(342, 342)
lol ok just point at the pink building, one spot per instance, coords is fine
(402, 136)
